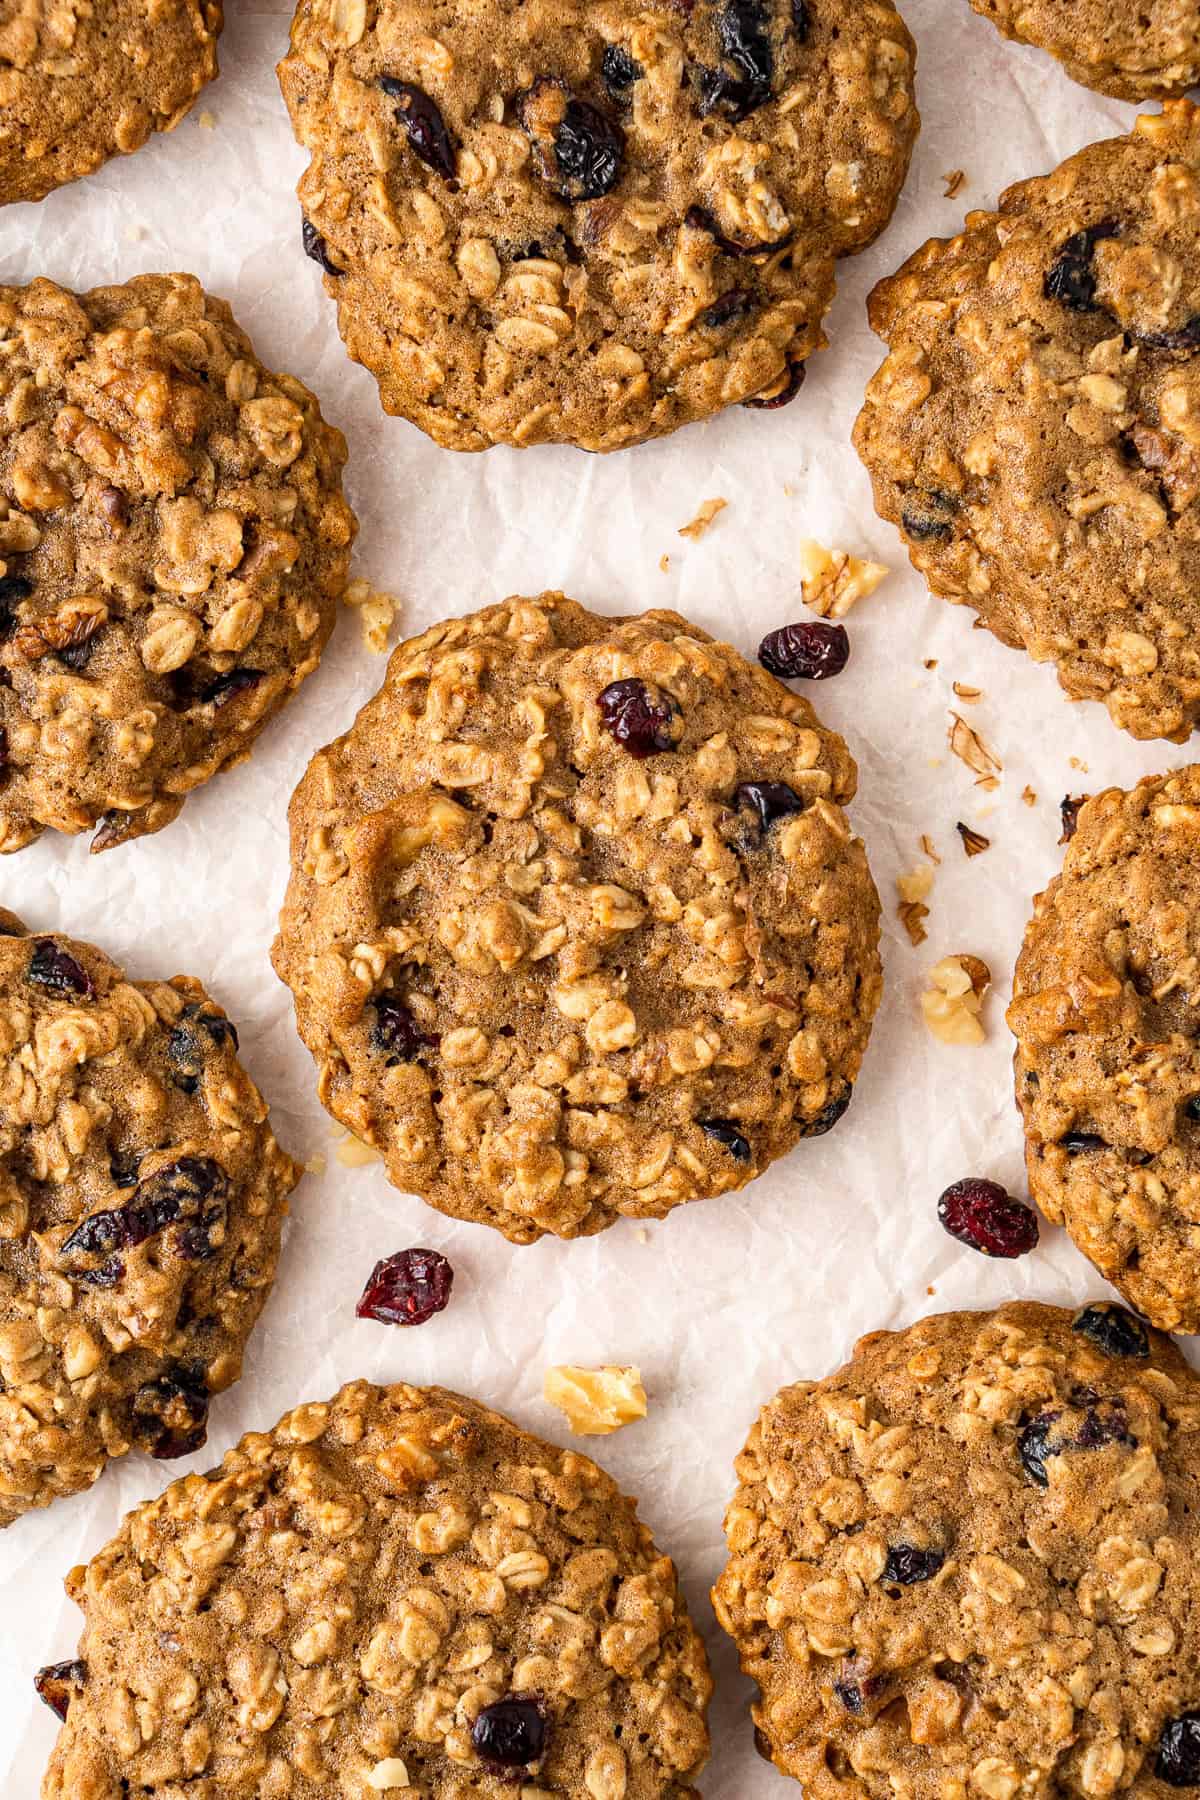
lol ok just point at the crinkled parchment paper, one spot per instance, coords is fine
(725, 1301)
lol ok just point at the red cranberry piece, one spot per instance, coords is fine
(424, 124)
(53, 968)
(1079, 1143)
(644, 721)
(1185, 337)
(805, 652)
(929, 516)
(56, 1683)
(828, 1116)
(1071, 279)
(1112, 1330)
(407, 1289)
(782, 396)
(13, 589)
(396, 1032)
(316, 247)
(170, 1414)
(1178, 1759)
(982, 1215)
(726, 1133)
(620, 71)
(767, 801)
(579, 149)
(907, 1565)
(511, 1732)
(1070, 808)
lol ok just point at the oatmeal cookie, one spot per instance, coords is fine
(1144, 51)
(80, 83)
(965, 1563)
(562, 221)
(141, 1201)
(173, 542)
(1035, 429)
(1108, 1064)
(577, 926)
(397, 1592)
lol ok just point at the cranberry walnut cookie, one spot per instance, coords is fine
(395, 1592)
(1104, 1011)
(963, 1564)
(142, 1196)
(81, 83)
(1131, 49)
(173, 542)
(577, 927)
(551, 220)
(1035, 429)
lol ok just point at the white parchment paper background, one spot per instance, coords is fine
(726, 1300)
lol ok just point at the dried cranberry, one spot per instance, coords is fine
(13, 589)
(745, 43)
(1080, 1143)
(767, 801)
(726, 1133)
(1049, 1434)
(1071, 279)
(316, 247)
(1069, 808)
(396, 1032)
(53, 968)
(107, 1275)
(1185, 337)
(511, 1732)
(3, 749)
(828, 1117)
(1112, 1330)
(801, 21)
(170, 1414)
(805, 651)
(980, 1214)
(850, 1695)
(56, 1683)
(191, 1192)
(698, 218)
(643, 720)
(928, 517)
(407, 1289)
(784, 395)
(730, 95)
(223, 688)
(1034, 1446)
(1192, 1107)
(1178, 1759)
(906, 1565)
(588, 149)
(185, 1048)
(124, 1169)
(424, 124)
(731, 306)
(619, 71)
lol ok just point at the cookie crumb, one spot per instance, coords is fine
(970, 748)
(376, 610)
(927, 847)
(206, 120)
(596, 1401)
(969, 694)
(352, 1153)
(832, 581)
(953, 1002)
(703, 519)
(914, 889)
(664, 562)
(973, 842)
(931, 662)
(1077, 763)
(133, 234)
(955, 180)
(1028, 795)
(317, 1163)
(642, 1235)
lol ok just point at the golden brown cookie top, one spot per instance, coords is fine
(173, 541)
(1035, 429)
(1132, 49)
(577, 926)
(141, 1200)
(963, 1563)
(395, 1592)
(1107, 1065)
(549, 220)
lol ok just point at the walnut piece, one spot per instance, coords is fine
(376, 612)
(708, 511)
(970, 748)
(953, 1002)
(832, 581)
(596, 1401)
(914, 889)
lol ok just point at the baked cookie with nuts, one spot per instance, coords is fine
(398, 1592)
(556, 221)
(81, 83)
(142, 1196)
(1131, 49)
(1105, 1016)
(577, 926)
(173, 542)
(1035, 428)
(962, 1564)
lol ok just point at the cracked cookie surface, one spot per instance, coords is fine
(1131, 49)
(1107, 1064)
(80, 83)
(1035, 429)
(173, 542)
(963, 1564)
(549, 220)
(398, 1591)
(577, 926)
(142, 1196)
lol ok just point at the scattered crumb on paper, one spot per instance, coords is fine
(955, 180)
(970, 748)
(376, 612)
(832, 581)
(973, 842)
(664, 562)
(1028, 795)
(952, 1003)
(352, 1153)
(317, 1163)
(206, 120)
(927, 847)
(703, 519)
(596, 1401)
(969, 694)
(914, 889)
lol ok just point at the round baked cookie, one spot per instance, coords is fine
(1035, 429)
(561, 221)
(964, 1563)
(396, 1592)
(577, 927)
(173, 542)
(1105, 1015)
(79, 84)
(141, 1201)
(1131, 49)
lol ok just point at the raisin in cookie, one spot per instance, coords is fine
(551, 220)
(141, 1201)
(1108, 1060)
(395, 1592)
(1035, 429)
(81, 83)
(173, 542)
(577, 926)
(964, 1563)
(1131, 49)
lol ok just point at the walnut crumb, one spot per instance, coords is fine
(951, 1005)
(927, 847)
(970, 748)
(969, 694)
(832, 581)
(955, 180)
(914, 889)
(1028, 795)
(317, 1163)
(376, 611)
(931, 662)
(206, 120)
(973, 842)
(703, 519)
(352, 1153)
(596, 1401)
(664, 562)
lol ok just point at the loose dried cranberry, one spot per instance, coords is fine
(407, 1289)
(53, 968)
(784, 395)
(316, 247)
(1071, 279)
(1080, 1143)
(726, 1133)
(907, 1565)
(643, 720)
(1112, 1330)
(698, 218)
(828, 1117)
(928, 517)
(980, 1214)
(191, 1193)
(170, 1414)
(57, 1682)
(1178, 1759)
(728, 309)
(1069, 808)
(1186, 337)
(424, 124)
(396, 1032)
(805, 651)
(13, 589)
(619, 71)
(511, 1732)
(767, 801)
